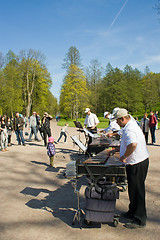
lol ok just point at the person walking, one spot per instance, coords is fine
(134, 154)
(46, 127)
(144, 125)
(18, 124)
(152, 125)
(63, 133)
(33, 125)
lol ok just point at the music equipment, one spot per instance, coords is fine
(102, 171)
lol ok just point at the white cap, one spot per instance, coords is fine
(122, 112)
(115, 110)
(106, 113)
(87, 110)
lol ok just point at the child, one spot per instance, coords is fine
(63, 133)
(51, 150)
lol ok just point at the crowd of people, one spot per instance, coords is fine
(19, 123)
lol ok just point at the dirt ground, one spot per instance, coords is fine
(38, 202)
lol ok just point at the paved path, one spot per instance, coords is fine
(37, 202)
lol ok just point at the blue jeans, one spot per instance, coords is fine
(20, 138)
(152, 129)
(63, 134)
(33, 130)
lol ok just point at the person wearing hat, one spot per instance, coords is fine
(113, 126)
(51, 150)
(33, 125)
(91, 121)
(133, 153)
(46, 127)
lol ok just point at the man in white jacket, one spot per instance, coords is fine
(91, 122)
(113, 126)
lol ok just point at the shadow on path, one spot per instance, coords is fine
(62, 202)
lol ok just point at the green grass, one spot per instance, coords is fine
(103, 122)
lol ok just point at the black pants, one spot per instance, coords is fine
(9, 139)
(62, 134)
(146, 136)
(136, 175)
(46, 131)
(92, 131)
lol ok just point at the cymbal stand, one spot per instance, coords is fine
(79, 212)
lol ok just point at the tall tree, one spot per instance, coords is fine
(133, 83)
(112, 90)
(72, 58)
(94, 77)
(12, 85)
(32, 64)
(74, 93)
(157, 6)
(150, 90)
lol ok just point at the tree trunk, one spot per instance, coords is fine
(29, 104)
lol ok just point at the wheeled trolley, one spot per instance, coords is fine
(101, 204)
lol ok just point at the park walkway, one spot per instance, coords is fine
(38, 202)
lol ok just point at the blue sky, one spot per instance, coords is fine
(117, 31)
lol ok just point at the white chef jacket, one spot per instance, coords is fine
(91, 120)
(113, 125)
(132, 133)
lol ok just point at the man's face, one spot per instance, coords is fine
(107, 115)
(121, 121)
(17, 114)
(88, 113)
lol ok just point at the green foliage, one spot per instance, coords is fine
(25, 84)
(103, 122)
(74, 93)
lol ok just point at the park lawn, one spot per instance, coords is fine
(103, 122)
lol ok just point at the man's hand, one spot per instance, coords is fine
(123, 159)
(112, 152)
(109, 135)
(101, 131)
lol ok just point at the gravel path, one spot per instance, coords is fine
(38, 202)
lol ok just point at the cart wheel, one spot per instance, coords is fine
(115, 222)
(87, 222)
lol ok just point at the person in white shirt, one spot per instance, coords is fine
(63, 133)
(133, 153)
(91, 121)
(113, 126)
